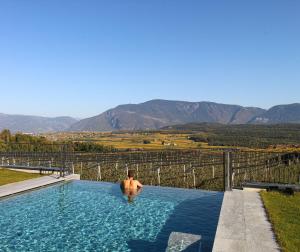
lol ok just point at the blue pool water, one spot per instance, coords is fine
(95, 216)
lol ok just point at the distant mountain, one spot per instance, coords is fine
(280, 114)
(155, 114)
(35, 124)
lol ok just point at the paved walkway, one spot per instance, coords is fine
(29, 184)
(243, 225)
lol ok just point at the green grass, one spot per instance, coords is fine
(284, 213)
(9, 176)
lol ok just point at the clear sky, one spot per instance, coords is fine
(81, 57)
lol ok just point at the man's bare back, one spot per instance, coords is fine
(131, 187)
(131, 184)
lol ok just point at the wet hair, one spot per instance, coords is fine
(130, 174)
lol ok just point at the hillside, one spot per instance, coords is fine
(35, 124)
(155, 114)
(280, 114)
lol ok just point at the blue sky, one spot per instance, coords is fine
(80, 58)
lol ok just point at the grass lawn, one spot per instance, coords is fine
(284, 213)
(8, 176)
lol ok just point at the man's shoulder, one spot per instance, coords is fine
(138, 183)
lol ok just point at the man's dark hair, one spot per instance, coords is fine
(130, 174)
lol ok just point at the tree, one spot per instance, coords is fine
(5, 135)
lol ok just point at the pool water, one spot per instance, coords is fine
(95, 216)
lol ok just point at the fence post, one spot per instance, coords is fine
(158, 176)
(99, 172)
(194, 178)
(137, 171)
(227, 170)
(2, 161)
(73, 171)
(126, 169)
(184, 175)
(80, 168)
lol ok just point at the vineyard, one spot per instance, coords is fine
(203, 169)
(187, 169)
(283, 168)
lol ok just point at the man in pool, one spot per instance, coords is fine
(130, 183)
(131, 187)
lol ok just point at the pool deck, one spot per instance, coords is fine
(22, 186)
(243, 225)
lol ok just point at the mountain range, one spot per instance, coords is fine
(35, 124)
(155, 114)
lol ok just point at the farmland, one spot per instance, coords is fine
(283, 137)
(165, 157)
(130, 140)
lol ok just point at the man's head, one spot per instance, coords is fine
(130, 174)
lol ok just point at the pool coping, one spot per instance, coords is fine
(243, 224)
(32, 184)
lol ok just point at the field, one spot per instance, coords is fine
(9, 176)
(279, 138)
(130, 140)
(273, 136)
(284, 213)
(150, 140)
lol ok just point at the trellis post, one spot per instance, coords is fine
(158, 176)
(227, 170)
(194, 178)
(184, 175)
(99, 177)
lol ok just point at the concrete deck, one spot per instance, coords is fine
(243, 225)
(18, 187)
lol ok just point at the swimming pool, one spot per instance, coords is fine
(95, 216)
